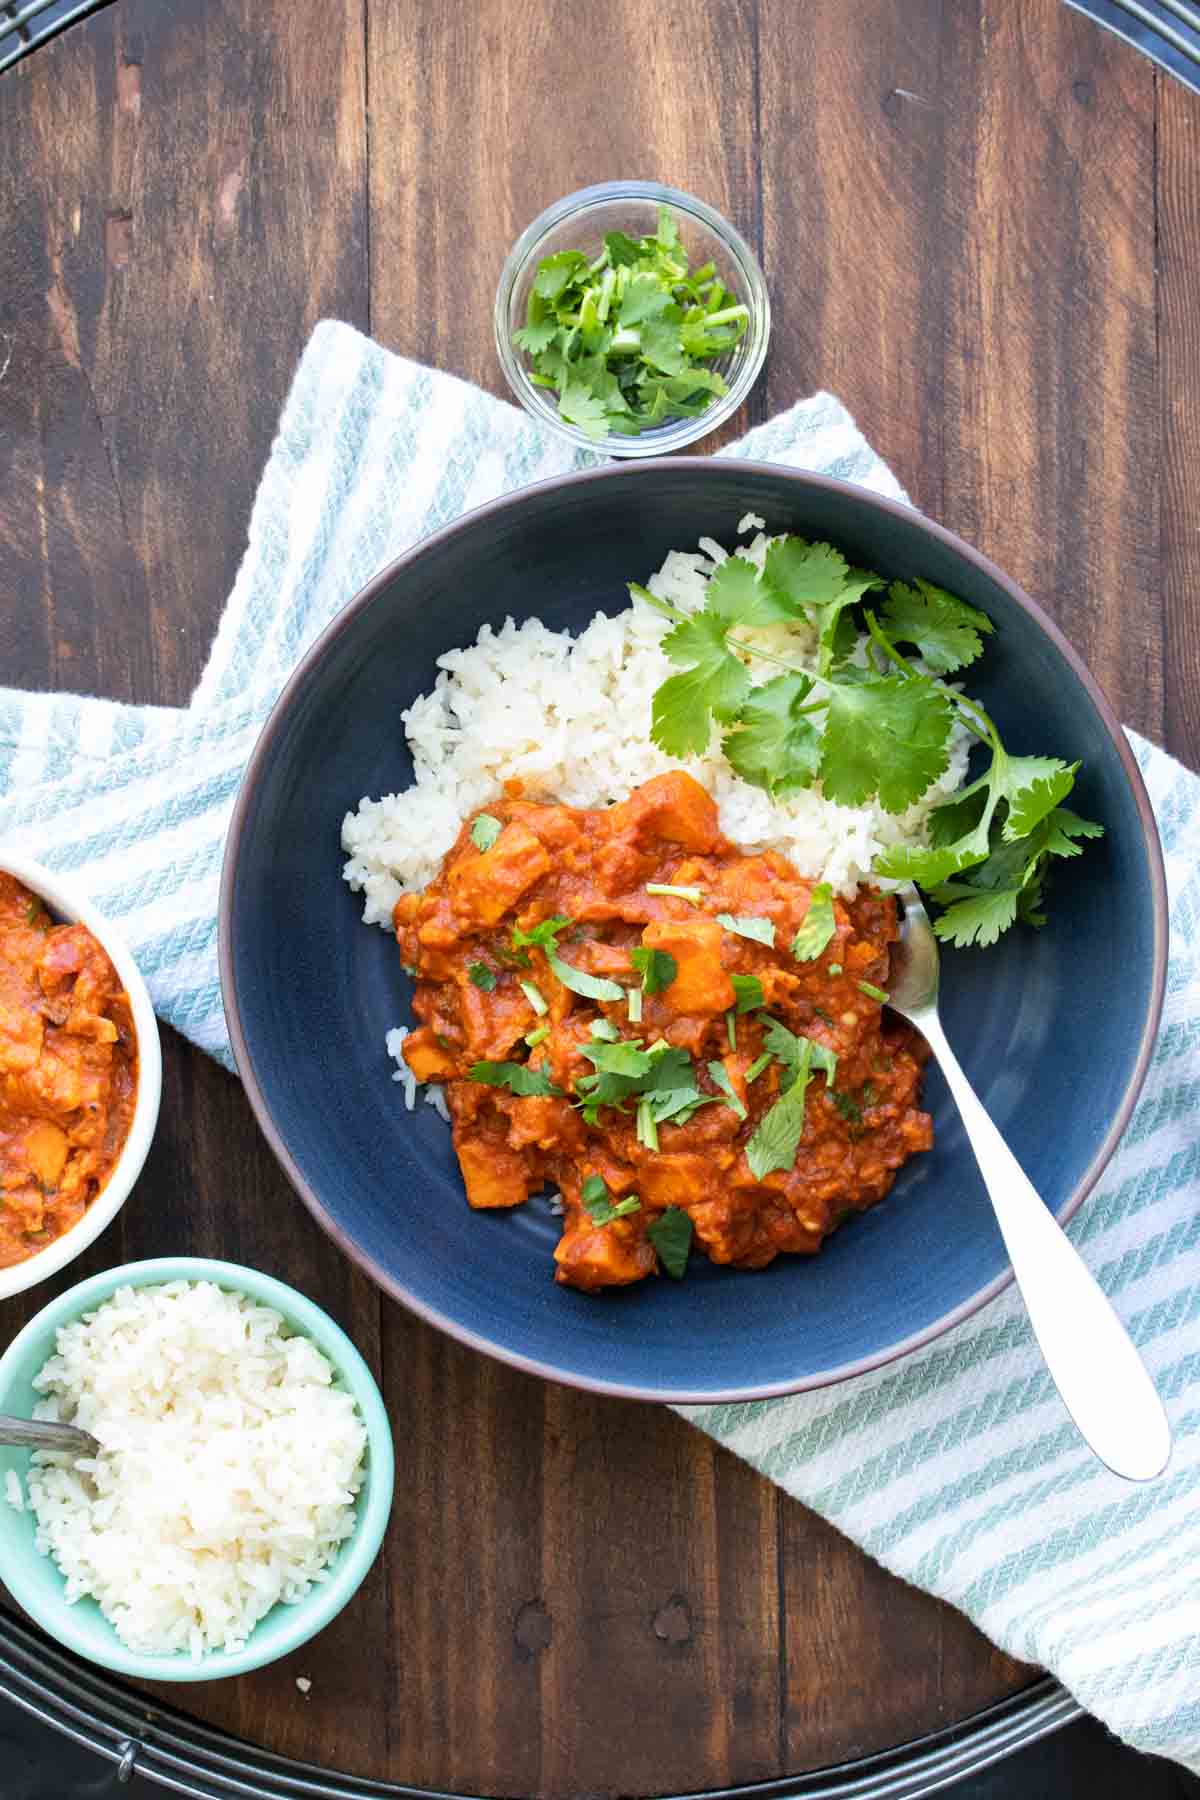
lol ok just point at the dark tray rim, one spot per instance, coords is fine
(135, 1732)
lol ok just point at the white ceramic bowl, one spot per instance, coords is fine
(69, 906)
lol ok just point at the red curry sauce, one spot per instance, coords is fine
(68, 1072)
(593, 868)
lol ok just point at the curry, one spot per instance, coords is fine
(687, 1040)
(68, 1072)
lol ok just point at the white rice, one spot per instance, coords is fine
(570, 719)
(228, 1470)
(12, 1490)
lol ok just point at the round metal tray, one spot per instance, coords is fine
(165, 1747)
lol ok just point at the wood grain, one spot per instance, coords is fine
(1178, 260)
(981, 227)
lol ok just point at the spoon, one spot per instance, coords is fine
(1091, 1358)
(42, 1434)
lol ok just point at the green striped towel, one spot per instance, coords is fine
(957, 1468)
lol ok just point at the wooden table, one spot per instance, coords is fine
(980, 226)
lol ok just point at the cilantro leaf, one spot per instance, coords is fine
(671, 1235)
(579, 405)
(760, 931)
(1033, 787)
(737, 595)
(774, 746)
(657, 968)
(716, 685)
(979, 918)
(818, 925)
(804, 574)
(720, 1075)
(599, 1203)
(591, 987)
(749, 991)
(485, 831)
(824, 1060)
(621, 1058)
(522, 1080)
(944, 630)
(554, 273)
(784, 1046)
(481, 976)
(536, 337)
(888, 735)
(776, 1137)
(542, 935)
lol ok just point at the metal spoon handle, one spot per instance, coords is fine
(41, 1434)
(1096, 1368)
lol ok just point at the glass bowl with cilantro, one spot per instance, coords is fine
(631, 318)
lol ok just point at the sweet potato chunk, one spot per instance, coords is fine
(494, 1174)
(485, 884)
(672, 806)
(701, 985)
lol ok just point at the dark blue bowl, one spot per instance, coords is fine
(1054, 1027)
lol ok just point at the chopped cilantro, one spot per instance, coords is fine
(657, 968)
(835, 968)
(757, 1066)
(818, 925)
(761, 931)
(483, 977)
(731, 1027)
(630, 339)
(777, 1135)
(534, 1038)
(599, 1203)
(671, 1235)
(485, 831)
(874, 728)
(534, 996)
(693, 895)
(872, 992)
(720, 1075)
(846, 1106)
(749, 991)
(591, 987)
(518, 1077)
(604, 1028)
(543, 936)
(634, 997)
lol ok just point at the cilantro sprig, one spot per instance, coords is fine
(630, 339)
(869, 724)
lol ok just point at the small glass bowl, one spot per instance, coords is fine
(579, 223)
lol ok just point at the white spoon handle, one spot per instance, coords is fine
(1096, 1368)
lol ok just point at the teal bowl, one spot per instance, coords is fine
(34, 1581)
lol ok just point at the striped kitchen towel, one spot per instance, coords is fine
(958, 1467)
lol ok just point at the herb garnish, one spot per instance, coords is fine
(634, 1001)
(748, 989)
(599, 1203)
(817, 926)
(720, 1075)
(872, 992)
(545, 937)
(485, 831)
(846, 1106)
(628, 341)
(757, 1066)
(534, 996)
(521, 1079)
(671, 1235)
(657, 968)
(604, 1028)
(761, 931)
(878, 729)
(693, 895)
(777, 1136)
(481, 976)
